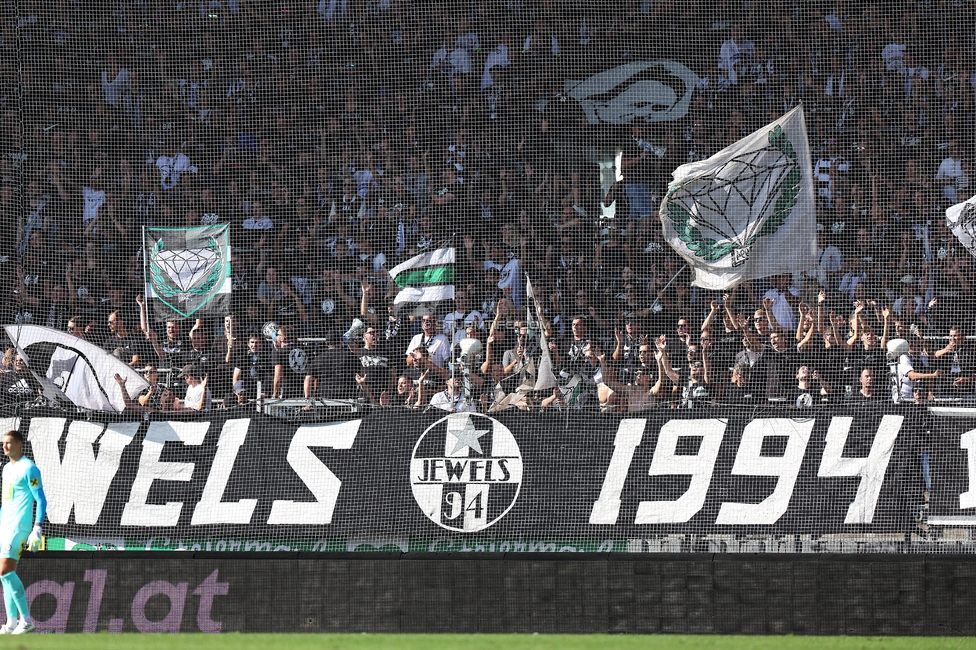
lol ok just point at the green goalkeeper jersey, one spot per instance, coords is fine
(21, 488)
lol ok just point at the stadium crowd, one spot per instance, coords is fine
(339, 139)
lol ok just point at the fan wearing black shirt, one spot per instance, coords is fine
(251, 367)
(776, 368)
(868, 392)
(740, 391)
(289, 361)
(376, 376)
(18, 386)
(169, 349)
(957, 360)
(833, 356)
(807, 394)
(695, 391)
(871, 352)
(201, 355)
(628, 342)
(120, 337)
(332, 374)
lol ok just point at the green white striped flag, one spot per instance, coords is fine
(426, 278)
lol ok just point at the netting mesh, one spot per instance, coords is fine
(390, 175)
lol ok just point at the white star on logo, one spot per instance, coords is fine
(467, 435)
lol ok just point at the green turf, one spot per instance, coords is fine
(106, 641)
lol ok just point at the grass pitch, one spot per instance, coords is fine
(235, 641)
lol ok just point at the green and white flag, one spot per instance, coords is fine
(424, 281)
(749, 211)
(187, 271)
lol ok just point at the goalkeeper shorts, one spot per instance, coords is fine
(12, 543)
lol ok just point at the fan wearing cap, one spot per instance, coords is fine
(910, 379)
(197, 395)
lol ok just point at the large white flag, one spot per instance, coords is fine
(748, 211)
(74, 369)
(961, 220)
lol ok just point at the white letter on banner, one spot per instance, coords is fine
(81, 480)
(319, 479)
(968, 442)
(749, 462)
(607, 507)
(666, 463)
(211, 510)
(871, 469)
(139, 513)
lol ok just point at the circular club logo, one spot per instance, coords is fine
(466, 472)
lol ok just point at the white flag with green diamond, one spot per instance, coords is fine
(187, 271)
(749, 211)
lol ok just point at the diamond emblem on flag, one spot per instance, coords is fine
(749, 179)
(183, 273)
(749, 196)
(186, 268)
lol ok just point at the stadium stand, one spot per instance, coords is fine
(340, 139)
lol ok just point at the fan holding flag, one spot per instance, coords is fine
(426, 284)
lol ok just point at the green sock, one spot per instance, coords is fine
(18, 594)
(8, 598)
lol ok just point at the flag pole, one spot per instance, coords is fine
(657, 301)
(454, 362)
(145, 275)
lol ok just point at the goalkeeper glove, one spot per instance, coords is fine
(34, 541)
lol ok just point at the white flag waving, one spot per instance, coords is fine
(961, 220)
(545, 377)
(748, 211)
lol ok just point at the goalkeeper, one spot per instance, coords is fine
(21, 488)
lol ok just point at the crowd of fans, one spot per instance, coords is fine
(339, 139)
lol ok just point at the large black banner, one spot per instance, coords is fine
(739, 480)
(567, 593)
